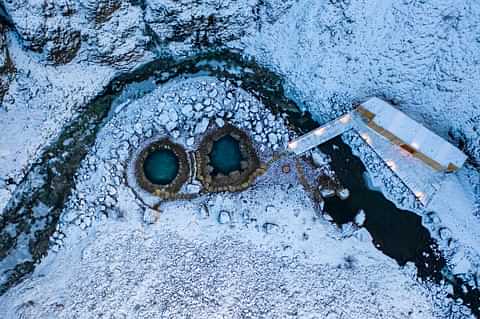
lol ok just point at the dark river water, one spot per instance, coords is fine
(399, 234)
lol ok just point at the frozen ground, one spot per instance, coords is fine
(264, 252)
(423, 56)
(192, 264)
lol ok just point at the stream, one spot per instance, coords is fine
(399, 234)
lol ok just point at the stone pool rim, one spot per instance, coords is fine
(236, 180)
(183, 168)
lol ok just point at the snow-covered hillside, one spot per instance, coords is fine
(56, 57)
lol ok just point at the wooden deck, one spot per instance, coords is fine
(321, 135)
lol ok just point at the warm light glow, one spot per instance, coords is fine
(344, 119)
(292, 144)
(366, 138)
(319, 131)
(391, 164)
(415, 145)
(420, 195)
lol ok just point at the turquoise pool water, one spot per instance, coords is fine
(226, 156)
(161, 167)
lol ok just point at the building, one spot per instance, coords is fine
(411, 136)
(419, 157)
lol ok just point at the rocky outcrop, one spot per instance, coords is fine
(62, 44)
(106, 32)
(121, 38)
(46, 27)
(201, 23)
(7, 68)
(101, 11)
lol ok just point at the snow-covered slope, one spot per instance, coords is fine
(423, 56)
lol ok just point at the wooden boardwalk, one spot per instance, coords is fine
(423, 183)
(321, 135)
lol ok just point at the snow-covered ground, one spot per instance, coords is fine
(194, 264)
(209, 266)
(264, 252)
(422, 56)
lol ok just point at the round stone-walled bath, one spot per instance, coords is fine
(227, 160)
(162, 168)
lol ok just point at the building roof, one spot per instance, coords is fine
(428, 146)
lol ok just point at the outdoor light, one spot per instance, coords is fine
(344, 119)
(415, 145)
(366, 138)
(391, 164)
(292, 145)
(420, 195)
(319, 131)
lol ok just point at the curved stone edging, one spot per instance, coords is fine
(237, 180)
(183, 174)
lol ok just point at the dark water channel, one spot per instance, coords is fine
(397, 233)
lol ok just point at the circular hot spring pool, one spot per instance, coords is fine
(161, 166)
(226, 156)
(227, 160)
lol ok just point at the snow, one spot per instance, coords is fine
(421, 56)
(261, 252)
(212, 266)
(414, 134)
(448, 214)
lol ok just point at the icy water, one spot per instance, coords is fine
(161, 167)
(225, 156)
(397, 233)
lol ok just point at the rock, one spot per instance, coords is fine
(259, 127)
(271, 118)
(163, 118)
(207, 102)
(138, 128)
(224, 217)
(203, 212)
(111, 190)
(326, 192)
(171, 125)
(122, 39)
(270, 228)
(202, 126)
(360, 218)
(62, 45)
(101, 10)
(172, 115)
(7, 68)
(343, 193)
(272, 138)
(445, 233)
(187, 110)
(151, 216)
(319, 159)
(198, 107)
(193, 188)
(190, 141)
(219, 122)
(348, 230)
(213, 93)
